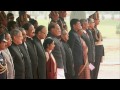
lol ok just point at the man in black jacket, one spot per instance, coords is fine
(54, 32)
(69, 56)
(18, 59)
(87, 37)
(75, 45)
(24, 49)
(41, 33)
(30, 31)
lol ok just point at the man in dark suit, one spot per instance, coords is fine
(3, 67)
(69, 56)
(18, 59)
(30, 31)
(89, 41)
(27, 60)
(41, 33)
(75, 45)
(54, 32)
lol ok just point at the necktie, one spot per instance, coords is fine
(26, 48)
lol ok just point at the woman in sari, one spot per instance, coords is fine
(84, 71)
(51, 66)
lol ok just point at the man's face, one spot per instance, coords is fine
(97, 21)
(18, 38)
(11, 18)
(65, 36)
(64, 14)
(77, 26)
(9, 40)
(31, 31)
(24, 35)
(2, 45)
(55, 17)
(1, 30)
(43, 33)
(85, 25)
(56, 31)
(92, 25)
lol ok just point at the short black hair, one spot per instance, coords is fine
(39, 28)
(51, 25)
(73, 22)
(33, 21)
(26, 26)
(47, 41)
(9, 14)
(10, 24)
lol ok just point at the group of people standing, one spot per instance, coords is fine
(63, 54)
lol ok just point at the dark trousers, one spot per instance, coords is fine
(3, 75)
(91, 74)
(68, 76)
(97, 66)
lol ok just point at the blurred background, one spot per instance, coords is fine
(110, 29)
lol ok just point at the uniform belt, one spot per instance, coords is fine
(99, 43)
(2, 68)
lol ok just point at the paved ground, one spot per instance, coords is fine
(110, 67)
(109, 71)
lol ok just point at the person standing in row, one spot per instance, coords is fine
(40, 33)
(9, 58)
(85, 36)
(99, 48)
(54, 32)
(69, 56)
(30, 31)
(3, 65)
(18, 59)
(24, 49)
(84, 72)
(76, 46)
(51, 65)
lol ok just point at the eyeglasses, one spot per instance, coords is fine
(80, 30)
(43, 32)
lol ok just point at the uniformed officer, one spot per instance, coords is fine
(62, 16)
(3, 67)
(99, 47)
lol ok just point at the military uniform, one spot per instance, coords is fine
(62, 24)
(3, 66)
(99, 48)
(3, 22)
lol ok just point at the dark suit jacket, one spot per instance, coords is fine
(28, 66)
(18, 61)
(92, 44)
(69, 61)
(63, 57)
(77, 50)
(57, 53)
(33, 57)
(89, 45)
(41, 58)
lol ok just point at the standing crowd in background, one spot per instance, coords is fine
(63, 54)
